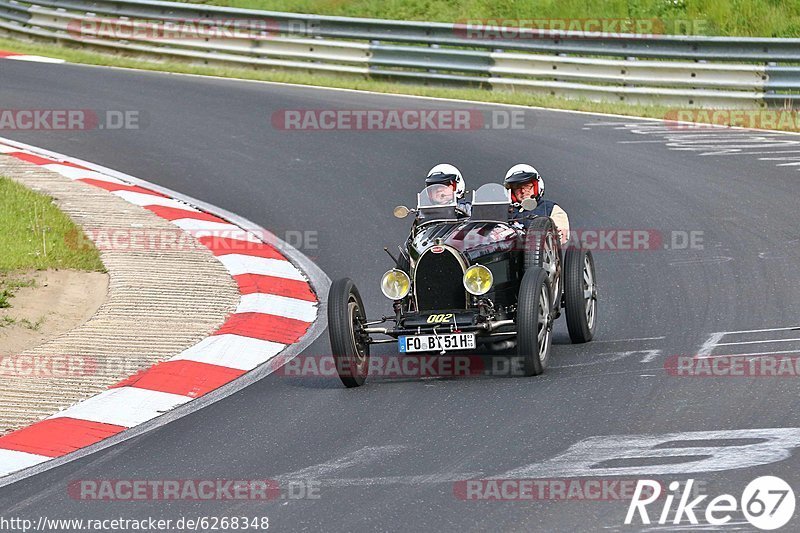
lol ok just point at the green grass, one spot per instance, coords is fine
(752, 18)
(36, 235)
(75, 55)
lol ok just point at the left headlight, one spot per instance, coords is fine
(395, 284)
(478, 280)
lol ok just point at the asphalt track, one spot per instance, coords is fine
(391, 450)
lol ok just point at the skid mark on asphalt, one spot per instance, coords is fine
(646, 356)
(364, 456)
(645, 352)
(713, 141)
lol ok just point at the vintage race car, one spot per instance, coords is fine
(467, 277)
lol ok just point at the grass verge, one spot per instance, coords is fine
(36, 235)
(76, 55)
(744, 18)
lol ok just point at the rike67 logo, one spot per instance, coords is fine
(767, 503)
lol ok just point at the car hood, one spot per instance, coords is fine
(472, 239)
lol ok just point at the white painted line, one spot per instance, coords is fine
(143, 199)
(650, 356)
(700, 261)
(11, 461)
(740, 152)
(278, 305)
(246, 264)
(124, 406)
(36, 59)
(756, 342)
(232, 351)
(604, 358)
(630, 340)
(790, 328)
(752, 354)
(710, 343)
(689, 452)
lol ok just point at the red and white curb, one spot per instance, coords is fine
(278, 313)
(27, 57)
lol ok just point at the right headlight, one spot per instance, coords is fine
(395, 284)
(478, 280)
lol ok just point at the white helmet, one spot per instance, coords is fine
(522, 173)
(446, 174)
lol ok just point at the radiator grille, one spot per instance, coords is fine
(438, 282)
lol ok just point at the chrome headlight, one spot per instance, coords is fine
(395, 284)
(478, 280)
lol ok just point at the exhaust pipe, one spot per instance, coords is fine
(502, 345)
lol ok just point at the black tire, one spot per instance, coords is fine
(345, 311)
(580, 295)
(533, 344)
(543, 250)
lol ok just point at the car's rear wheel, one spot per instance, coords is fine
(580, 295)
(349, 344)
(534, 321)
(543, 250)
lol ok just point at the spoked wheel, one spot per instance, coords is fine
(346, 317)
(543, 250)
(534, 321)
(580, 295)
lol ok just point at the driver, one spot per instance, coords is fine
(440, 194)
(526, 182)
(448, 175)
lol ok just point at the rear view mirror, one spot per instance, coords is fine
(401, 211)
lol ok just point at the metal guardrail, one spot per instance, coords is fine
(663, 69)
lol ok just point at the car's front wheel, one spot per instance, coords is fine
(534, 321)
(349, 344)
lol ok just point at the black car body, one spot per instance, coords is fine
(466, 276)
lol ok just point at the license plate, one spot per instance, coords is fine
(431, 343)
